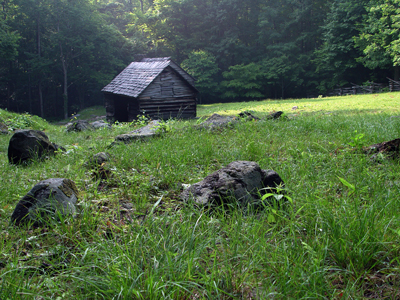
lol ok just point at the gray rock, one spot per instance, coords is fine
(45, 201)
(98, 159)
(59, 148)
(150, 130)
(217, 121)
(29, 144)
(80, 125)
(275, 115)
(100, 124)
(240, 182)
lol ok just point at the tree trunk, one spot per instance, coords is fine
(141, 6)
(65, 91)
(30, 94)
(65, 88)
(41, 99)
(39, 53)
(65, 75)
(9, 86)
(81, 96)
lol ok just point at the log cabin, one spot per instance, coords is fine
(154, 87)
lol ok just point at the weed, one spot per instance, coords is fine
(358, 140)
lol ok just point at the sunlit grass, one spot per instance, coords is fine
(352, 104)
(338, 240)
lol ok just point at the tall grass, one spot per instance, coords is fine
(338, 239)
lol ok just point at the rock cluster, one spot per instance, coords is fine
(240, 182)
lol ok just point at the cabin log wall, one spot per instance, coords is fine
(168, 96)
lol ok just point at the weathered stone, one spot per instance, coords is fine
(100, 124)
(217, 121)
(26, 145)
(275, 115)
(98, 159)
(389, 148)
(242, 182)
(248, 116)
(150, 130)
(45, 201)
(59, 148)
(80, 125)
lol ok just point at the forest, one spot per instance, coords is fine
(56, 55)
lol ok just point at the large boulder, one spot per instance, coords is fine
(240, 182)
(29, 144)
(46, 200)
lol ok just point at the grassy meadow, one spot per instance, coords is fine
(338, 238)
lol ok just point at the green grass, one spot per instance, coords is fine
(352, 104)
(340, 239)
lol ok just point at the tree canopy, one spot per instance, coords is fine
(56, 55)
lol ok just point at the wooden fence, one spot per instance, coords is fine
(370, 88)
(394, 85)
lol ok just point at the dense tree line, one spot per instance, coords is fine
(56, 55)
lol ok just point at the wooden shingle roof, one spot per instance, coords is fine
(136, 77)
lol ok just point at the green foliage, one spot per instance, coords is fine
(358, 140)
(203, 67)
(351, 187)
(8, 42)
(68, 50)
(65, 48)
(336, 58)
(244, 81)
(25, 121)
(379, 37)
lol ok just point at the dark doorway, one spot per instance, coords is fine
(121, 109)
